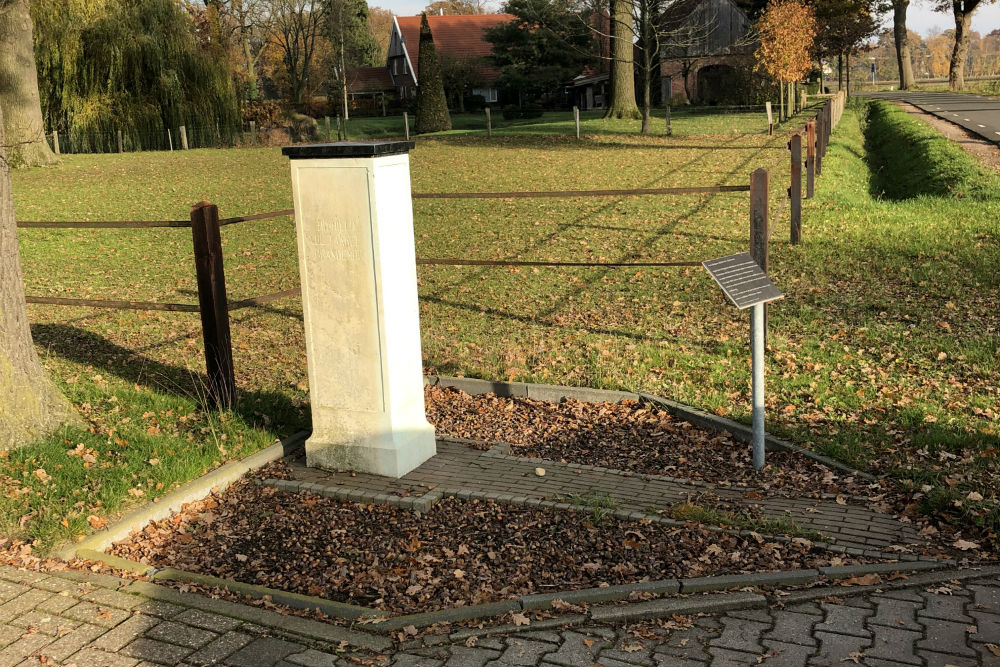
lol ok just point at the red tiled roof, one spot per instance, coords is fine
(457, 36)
(369, 80)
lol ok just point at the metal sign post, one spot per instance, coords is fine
(746, 285)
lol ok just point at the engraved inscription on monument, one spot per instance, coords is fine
(348, 337)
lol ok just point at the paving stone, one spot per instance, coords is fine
(630, 651)
(945, 637)
(987, 628)
(837, 649)
(844, 620)
(723, 657)
(123, 633)
(759, 615)
(543, 636)
(576, 649)
(22, 604)
(263, 651)
(49, 624)
(741, 635)
(783, 654)
(664, 660)
(57, 604)
(792, 627)
(805, 608)
(687, 644)
(894, 644)
(987, 657)
(986, 598)
(465, 656)
(91, 613)
(145, 648)
(525, 652)
(934, 659)
(902, 594)
(93, 579)
(9, 591)
(180, 634)
(313, 658)
(9, 634)
(410, 660)
(68, 644)
(159, 608)
(58, 585)
(219, 649)
(945, 607)
(206, 621)
(895, 614)
(23, 647)
(105, 598)
(93, 656)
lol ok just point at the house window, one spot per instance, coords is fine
(490, 94)
(395, 66)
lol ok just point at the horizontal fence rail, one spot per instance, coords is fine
(708, 189)
(103, 224)
(444, 261)
(114, 305)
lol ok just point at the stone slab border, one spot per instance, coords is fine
(196, 489)
(555, 393)
(377, 621)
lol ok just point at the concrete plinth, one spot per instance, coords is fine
(354, 225)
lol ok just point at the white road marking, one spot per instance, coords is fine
(982, 126)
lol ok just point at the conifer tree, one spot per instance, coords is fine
(432, 106)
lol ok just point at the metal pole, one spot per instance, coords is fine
(757, 343)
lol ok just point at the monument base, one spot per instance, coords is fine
(390, 452)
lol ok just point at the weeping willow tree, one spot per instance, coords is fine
(134, 66)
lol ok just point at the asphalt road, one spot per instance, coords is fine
(980, 115)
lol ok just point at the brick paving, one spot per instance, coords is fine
(458, 468)
(950, 624)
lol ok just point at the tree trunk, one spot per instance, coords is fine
(781, 101)
(902, 38)
(963, 23)
(840, 72)
(251, 63)
(32, 407)
(19, 98)
(622, 68)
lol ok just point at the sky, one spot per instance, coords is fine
(920, 18)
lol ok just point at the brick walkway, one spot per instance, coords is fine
(92, 620)
(458, 468)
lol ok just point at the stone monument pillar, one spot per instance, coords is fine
(354, 225)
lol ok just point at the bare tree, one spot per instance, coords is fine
(962, 10)
(298, 25)
(19, 88)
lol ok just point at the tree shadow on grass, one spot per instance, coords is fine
(90, 349)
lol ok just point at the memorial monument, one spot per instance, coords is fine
(354, 226)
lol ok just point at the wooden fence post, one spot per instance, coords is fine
(819, 143)
(184, 138)
(489, 122)
(121, 148)
(339, 132)
(795, 191)
(214, 305)
(55, 141)
(810, 159)
(253, 132)
(576, 120)
(770, 119)
(406, 125)
(670, 130)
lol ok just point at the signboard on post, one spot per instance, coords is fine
(747, 286)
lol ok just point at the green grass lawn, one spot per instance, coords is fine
(684, 122)
(884, 352)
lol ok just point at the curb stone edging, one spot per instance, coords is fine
(196, 489)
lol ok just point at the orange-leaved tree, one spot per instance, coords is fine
(787, 29)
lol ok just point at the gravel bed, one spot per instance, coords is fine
(623, 436)
(459, 553)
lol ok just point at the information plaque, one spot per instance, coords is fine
(742, 280)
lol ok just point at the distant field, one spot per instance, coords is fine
(886, 345)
